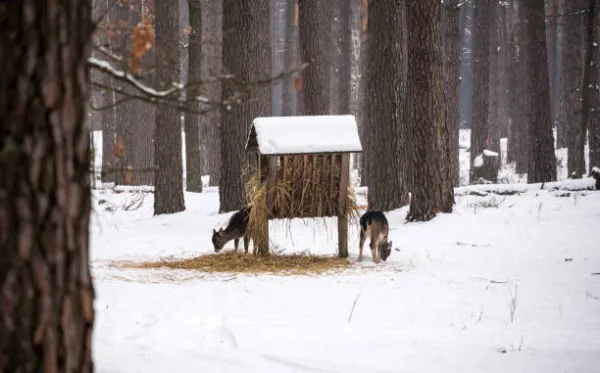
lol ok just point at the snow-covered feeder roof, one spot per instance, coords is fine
(308, 134)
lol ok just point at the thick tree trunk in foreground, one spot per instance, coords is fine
(432, 190)
(387, 153)
(193, 179)
(46, 290)
(451, 46)
(168, 195)
(542, 161)
(246, 55)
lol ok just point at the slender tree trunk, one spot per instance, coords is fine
(591, 51)
(362, 124)
(109, 115)
(47, 311)
(481, 73)
(451, 46)
(518, 140)
(594, 122)
(290, 59)
(210, 123)
(140, 117)
(315, 33)
(246, 55)
(345, 72)
(490, 169)
(573, 78)
(432, 190)
(466, 67)
(384, 83)
(168, 195)
(192, 134)
(542, 161)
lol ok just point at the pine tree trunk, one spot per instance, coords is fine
(345, 73)
(384, 84)
(542, 161)
(361, 93)
(591, 51)
(192, 134)
(246, 55)
(210, 123)
(168, 195)
(518, 140)
(451, 46)
(490, 169)
(573, 72)
(432, 190)
(315, 34)
(594, 122)
(47, 294)
(290, 59)
(109, 115)
(481, 72)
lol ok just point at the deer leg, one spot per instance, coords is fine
(362, 243)
(246, 243)
(374, 250)
(236, 242)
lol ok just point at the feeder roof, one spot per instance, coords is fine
(308, 134)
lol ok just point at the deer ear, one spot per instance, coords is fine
(390, 245)
(214, 231)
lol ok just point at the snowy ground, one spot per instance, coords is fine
(503, 284)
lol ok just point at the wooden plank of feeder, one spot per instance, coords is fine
(271, 181)
(313, 179)
(342, 217)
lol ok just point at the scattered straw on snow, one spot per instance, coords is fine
(232, 262)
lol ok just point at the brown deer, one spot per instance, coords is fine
(374, 224)
(236, 229)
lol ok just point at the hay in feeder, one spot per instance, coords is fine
(232, 262)
(305, 187)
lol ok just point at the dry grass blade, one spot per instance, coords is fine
(232, 262)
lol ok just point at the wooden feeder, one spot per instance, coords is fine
(304, 164)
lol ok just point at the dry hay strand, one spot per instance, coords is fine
(232, 262)
(256, 196)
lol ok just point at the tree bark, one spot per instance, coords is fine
(590, 56)
(432, 190)
(290, 59)
(246, 55)
(315, 34)
(345, 72)
(384, 84)
(494, 126)
(542, 160)
(212, 64)
(594, 121)
(193, 178)
(361, 93)
(518, 140)
(168, 195)
(481, 73)
(451, 46)
(47, 293)
(573, 71)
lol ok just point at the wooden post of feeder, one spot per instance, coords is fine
(262, 241)
(342, 216)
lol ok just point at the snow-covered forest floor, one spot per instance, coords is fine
(503, 284)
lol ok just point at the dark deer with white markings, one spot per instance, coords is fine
(374, 225)
(236, 229)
